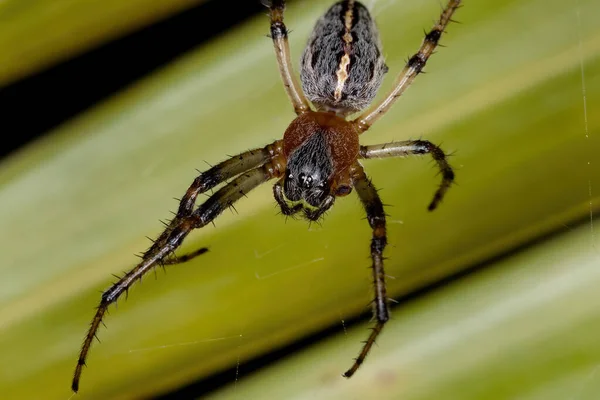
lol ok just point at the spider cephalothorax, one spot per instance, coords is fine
(320, 148)
(318, 158)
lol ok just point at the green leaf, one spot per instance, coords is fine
(525, 327)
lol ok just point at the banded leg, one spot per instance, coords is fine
(279, 34)
(413, 67)
(416, 147)
(223, 171)
(376, 217)
(215, 175)
(170, 240)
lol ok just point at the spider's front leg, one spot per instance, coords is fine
(415, 147)
(209, 179)
(224, 171)
(186, 220)
(376, 217)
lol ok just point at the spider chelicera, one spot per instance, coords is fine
(318, 158)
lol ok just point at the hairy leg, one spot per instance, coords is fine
(314, 215)
(279, 34)
(224, 171)
(376, 217)
(184, 257)
(413, 67)
(415, 147)
(170, 240)
(283, 205)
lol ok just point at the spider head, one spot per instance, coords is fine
(309, 171)
(307, 185)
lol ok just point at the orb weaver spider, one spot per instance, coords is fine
(317, 160)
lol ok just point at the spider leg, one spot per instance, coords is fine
(312, 215)
(170, 240)
(315, 214)
(413, 67)
(184, 257)
(279, 34)
(279, 197)
(223, 171)
(376, 217)
(416, 147)
(212, 177)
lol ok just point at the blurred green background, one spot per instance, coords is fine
(515, 96)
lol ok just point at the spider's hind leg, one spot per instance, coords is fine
(376, 217)
(279, 34)
(413, 67)
(415, 147)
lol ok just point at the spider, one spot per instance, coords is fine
(317, 160)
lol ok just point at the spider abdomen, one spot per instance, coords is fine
(342, 66)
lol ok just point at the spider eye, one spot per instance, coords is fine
(306, 181)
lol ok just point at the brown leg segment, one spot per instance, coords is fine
(413, 67)
(376, 217)
(170, 240)
(279, 34)
(415, 147)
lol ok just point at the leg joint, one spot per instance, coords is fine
(433, 36)
(378, 243)
(417, 62)
(110, 296)
(278, 30)
(376, 220)
(383, 315)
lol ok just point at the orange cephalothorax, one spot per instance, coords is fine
(319, 148)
